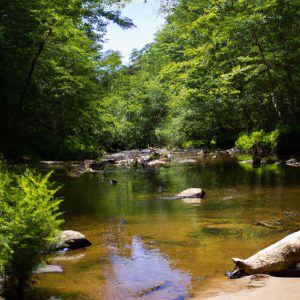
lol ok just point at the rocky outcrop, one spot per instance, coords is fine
(72, 240)
(191, 193)
(144, 158)
(276, 258)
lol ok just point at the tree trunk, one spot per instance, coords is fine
(268, 70)
(276, 258)
(20, 106)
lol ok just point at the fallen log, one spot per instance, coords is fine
(276, 258)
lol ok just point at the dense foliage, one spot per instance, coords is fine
(217, 69)
(221, 68)
(29, 220)
(51, 65)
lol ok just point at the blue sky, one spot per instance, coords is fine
(147, 20)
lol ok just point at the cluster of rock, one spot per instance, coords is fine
(65, 241)
(144, 158)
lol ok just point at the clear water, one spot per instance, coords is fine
(148, 248)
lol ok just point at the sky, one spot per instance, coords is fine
(147, 20)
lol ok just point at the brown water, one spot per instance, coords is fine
(148, 248)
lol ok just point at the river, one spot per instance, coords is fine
(150, 248)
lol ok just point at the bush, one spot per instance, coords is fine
(29, 221)
(259, 140)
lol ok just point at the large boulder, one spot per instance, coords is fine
(191, 193)
(71, 239)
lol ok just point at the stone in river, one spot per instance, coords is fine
(192, 193)
(71, 239)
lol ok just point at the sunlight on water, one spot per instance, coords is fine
(147, 247)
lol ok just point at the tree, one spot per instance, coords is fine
(51, 65)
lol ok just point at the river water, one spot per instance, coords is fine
(148, 248)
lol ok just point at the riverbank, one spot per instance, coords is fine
(260, 287)
(156, 158)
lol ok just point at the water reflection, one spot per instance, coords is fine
(138, 238)
(146, 273)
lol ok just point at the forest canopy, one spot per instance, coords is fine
(216, 70)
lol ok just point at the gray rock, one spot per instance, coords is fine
(293, 163)
(192, 193)
(156, 163)
(186, 161)
(71, 239)
(102, 164)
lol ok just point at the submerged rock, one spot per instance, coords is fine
(66, 257)
(72, 240)
(48, 269)
(191, 200)
(278, 257)
(191, 193)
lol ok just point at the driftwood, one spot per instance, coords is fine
(276, 258)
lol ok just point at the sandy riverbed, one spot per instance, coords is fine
(258, 287)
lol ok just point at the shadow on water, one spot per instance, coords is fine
(151, 248)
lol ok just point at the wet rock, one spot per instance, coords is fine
(187, 161)
(271, 225)
(192, 193)
(278, 257)
(72, 240)
(151, 289)
(156, 163)
(124, 162)
(79, 168)
(232, 151)
(48, 269)
(102, 163)
(293, 162)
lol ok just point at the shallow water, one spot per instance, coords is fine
(149, 248)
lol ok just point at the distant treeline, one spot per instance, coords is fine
(217, 70)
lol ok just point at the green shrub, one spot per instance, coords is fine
(29, 221)
(258, 139)
(193, 144)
